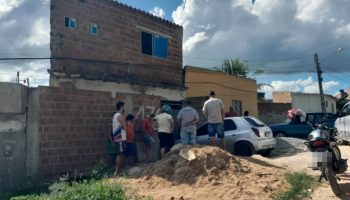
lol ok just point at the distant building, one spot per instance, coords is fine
(305, 101)
(105, 45)
(238, 92)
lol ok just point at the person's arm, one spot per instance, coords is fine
(222, 110)
(171, 120)
(195, 119)
(179, 117)
(121, 120)
(205, 110)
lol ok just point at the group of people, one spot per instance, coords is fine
(160, 127)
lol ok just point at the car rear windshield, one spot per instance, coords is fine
(254, 122)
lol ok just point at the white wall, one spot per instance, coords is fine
(169, 94)
(312, 103)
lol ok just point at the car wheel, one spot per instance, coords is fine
(280, 134)
(243, 149)
(266, 153)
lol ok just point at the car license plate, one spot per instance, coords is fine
(267, 134)
(320, 159)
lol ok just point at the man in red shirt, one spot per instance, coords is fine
(149, 137)
(230, 113)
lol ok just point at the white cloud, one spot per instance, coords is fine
(40, 33)
(157, 11)
(267, 30)
(7, 5)
(307, 86)
(191, 42)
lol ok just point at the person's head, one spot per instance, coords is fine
(246, 113)
(211, 94)
(166, 109)
(120, 106)
(129, 118)
(231, 109)
(186, 103)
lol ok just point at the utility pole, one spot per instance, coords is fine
(17, 79)
(319, 77)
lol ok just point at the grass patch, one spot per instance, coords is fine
(91, 190)
(33, 186)
(301, 185)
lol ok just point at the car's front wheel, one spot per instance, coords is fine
(265, 153)
(243, 149)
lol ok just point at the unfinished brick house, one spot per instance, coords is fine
(104, 45)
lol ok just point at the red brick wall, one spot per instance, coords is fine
(118, 41)
(73, 127)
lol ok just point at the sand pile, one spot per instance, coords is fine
(206, 173)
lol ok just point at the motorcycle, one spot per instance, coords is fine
(322, 143)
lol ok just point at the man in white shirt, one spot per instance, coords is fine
(165, 124)
(213, 110)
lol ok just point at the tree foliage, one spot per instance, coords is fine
(237, 68)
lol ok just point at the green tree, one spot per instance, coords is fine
(237, 68)
(234, 67)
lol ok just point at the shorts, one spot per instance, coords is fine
(120, 148)
(130, 149)
(216, 129)
(148, 140)
(166, 140)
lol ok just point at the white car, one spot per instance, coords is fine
(343, 124)
(244, 136)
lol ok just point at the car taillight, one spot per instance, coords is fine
(256, 131)
(317, 143)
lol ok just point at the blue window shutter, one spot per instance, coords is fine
(72, 23)
(146, 43)
(160, 45)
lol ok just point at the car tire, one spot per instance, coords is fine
(266, 153)
(280, 134)
(243, 149)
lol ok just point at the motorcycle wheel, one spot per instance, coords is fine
(330, 175)
(336, 157)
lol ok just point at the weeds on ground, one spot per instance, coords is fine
(301, 186)
(32, 186)
(92, 190)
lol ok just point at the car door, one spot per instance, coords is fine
(301, 130)
(341, 123)
(231, 132)
(202, 135)
(346, 120)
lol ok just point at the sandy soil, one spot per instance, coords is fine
(298, 162)
(207, 173)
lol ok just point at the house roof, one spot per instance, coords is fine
(132, 9)
(301, 93)
(214, 71)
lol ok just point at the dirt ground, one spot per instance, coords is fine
(208, 173)
(205, 173)
(298, 162)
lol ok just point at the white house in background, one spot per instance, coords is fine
(306, 101)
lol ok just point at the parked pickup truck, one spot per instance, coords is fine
(302, 130)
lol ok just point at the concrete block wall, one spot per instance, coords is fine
(73, 127)
(118, 43)
(13, 120)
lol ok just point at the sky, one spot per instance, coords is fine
(277, 39)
